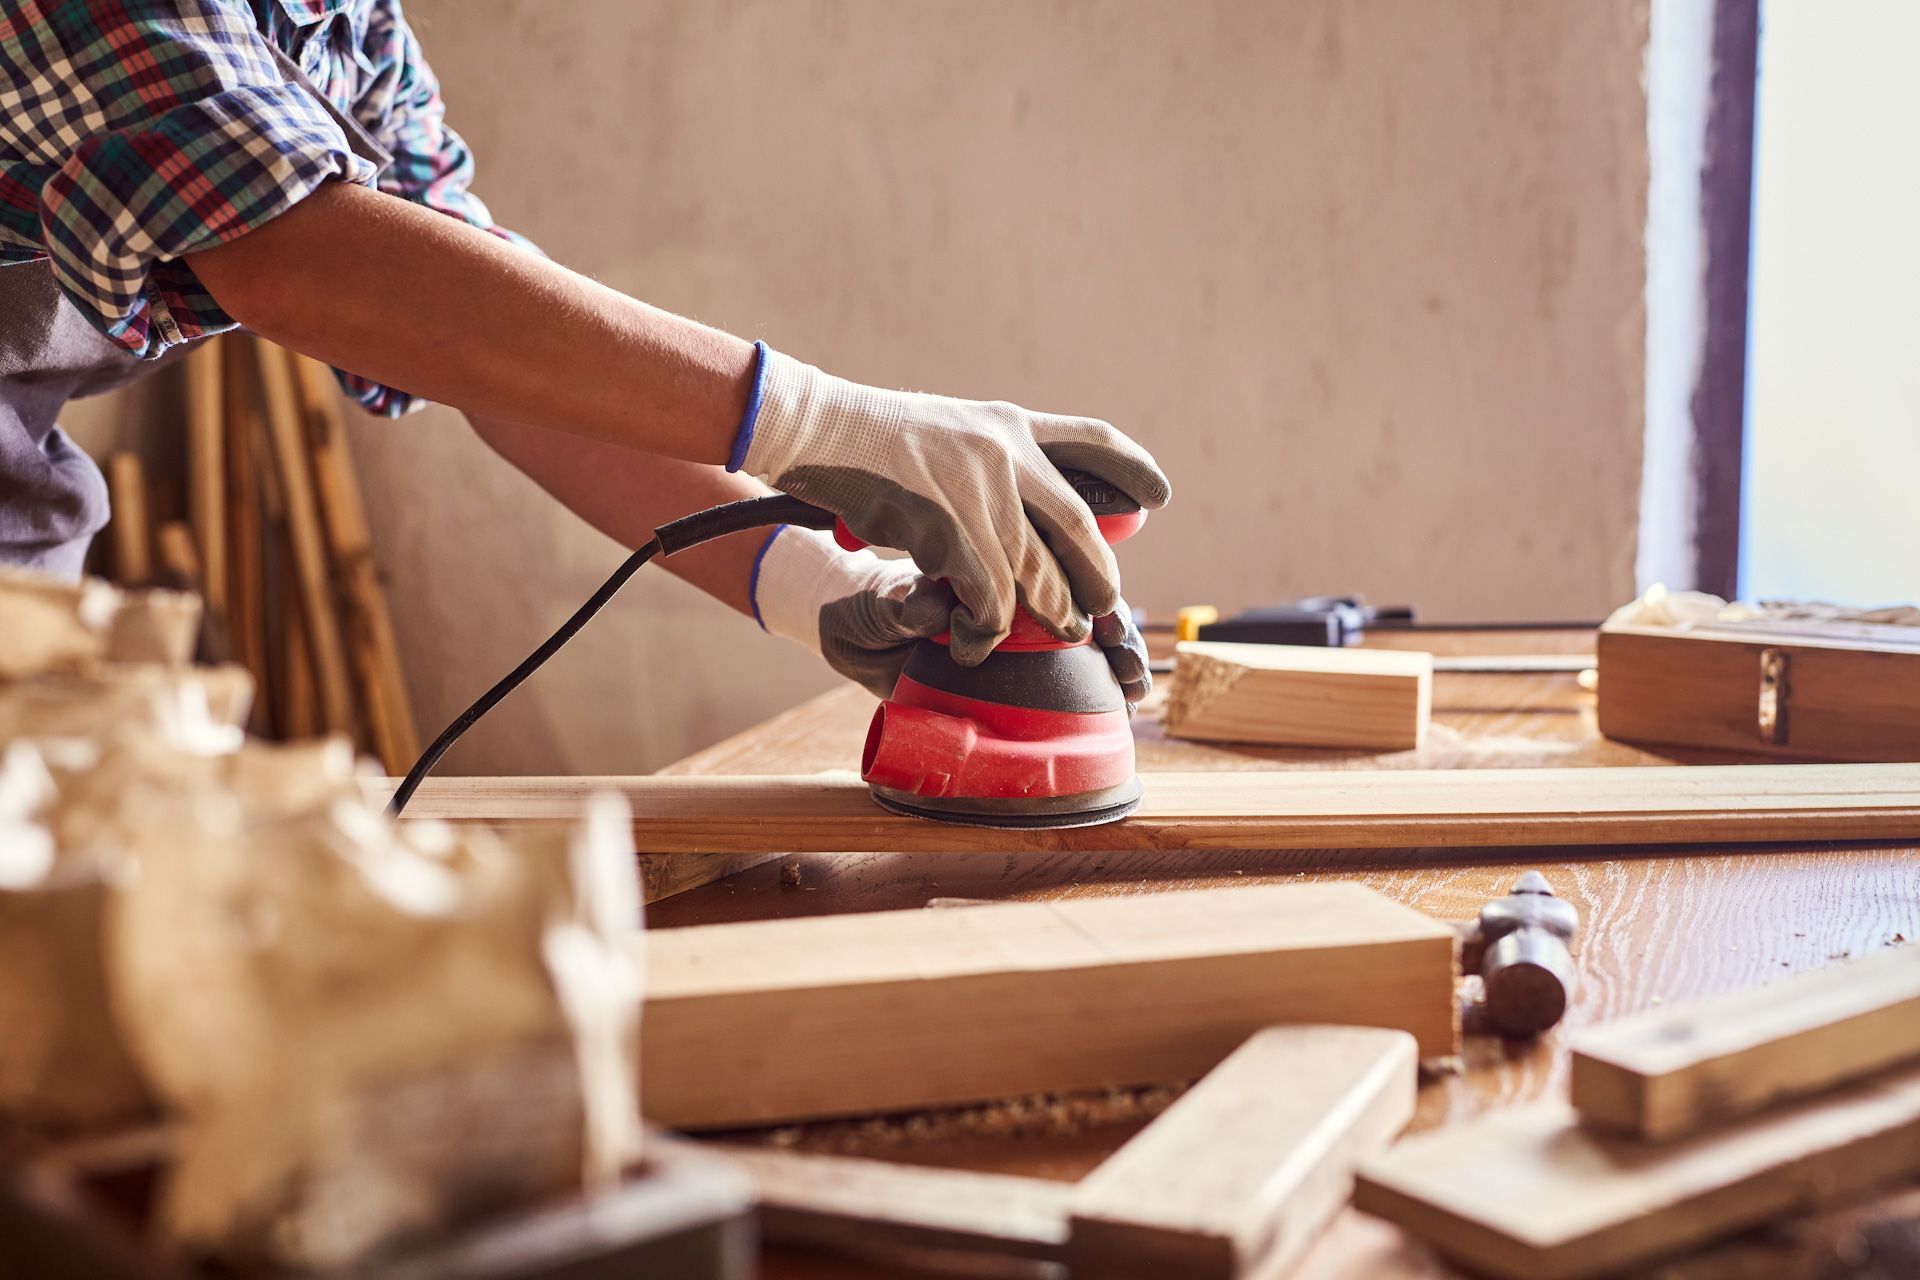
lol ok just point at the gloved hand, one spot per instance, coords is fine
(864, 614)
(971, 490)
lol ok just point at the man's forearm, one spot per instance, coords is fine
(432, 306)
(625, 493)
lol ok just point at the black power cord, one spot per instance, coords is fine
(677, 535)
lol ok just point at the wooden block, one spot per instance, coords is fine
(1243, 1171)
(1675, 1070)
(1299, 695)
(1531, 1193)
(307, 541)
(131, 527)
(1853, 695)
(1279, 809)
(877, 1207)
(851, 1015)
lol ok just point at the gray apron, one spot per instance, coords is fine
(52, 496)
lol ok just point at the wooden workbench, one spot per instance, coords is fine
(1657, 925)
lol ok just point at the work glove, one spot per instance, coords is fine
(864, 615)
(971, 490)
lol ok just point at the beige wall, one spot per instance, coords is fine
(1365, 274)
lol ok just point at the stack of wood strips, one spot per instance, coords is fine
(274, 538)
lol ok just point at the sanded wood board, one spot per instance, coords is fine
(1530, 1192)
(1299, 695)
(1675, 1070)
(1282, 809)
(782, 1020)
(1247, 1167)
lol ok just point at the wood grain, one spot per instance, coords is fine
(1247, 1167)
(206, 474)
(1673, 1071)
(850, 1015)
(1296, 695)
(1292, 810)
(1532, 1194)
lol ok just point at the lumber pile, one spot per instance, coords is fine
(1684, 1125)
(266, 525)
(783, 1020)
(1295, 695)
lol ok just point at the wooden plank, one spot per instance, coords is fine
(1838, 698)
(309, 553)
(851, 1015)
(246, 579)
(877, 1207)
(131, 526)
(1265, 809)
(1247, 1167)
(368, 626)
(1300, 696)
(1529, 1192)
(206, 479)
(1675, 1070)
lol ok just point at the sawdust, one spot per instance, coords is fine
(1047, 1115)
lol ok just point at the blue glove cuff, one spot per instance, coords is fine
(753, 576)
(744, 436)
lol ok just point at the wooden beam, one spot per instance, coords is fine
(878, 1207)
(309, 551)
(783, 1020)
(206, 479)
(1673, 1071)
(246, 572)
(1300, 696)
(1529, 1192)
(131, 526)
(1279, 809)
(1246, 1168)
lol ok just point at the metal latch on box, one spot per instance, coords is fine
(1773, 696)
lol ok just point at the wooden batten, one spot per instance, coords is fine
(785, 1020)
(1299, 695)
(1674, 1071)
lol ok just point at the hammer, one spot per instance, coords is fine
(1519, 947)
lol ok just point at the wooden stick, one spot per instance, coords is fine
(307, 542)
(1677, 1070)
(1529, 1192)
(881, 1208)
(369, 628)
(131, 527)
(782, 1020)
(246, 586)
(1247, 1167)
(1280, 809)
(179, 556)
(206, 481)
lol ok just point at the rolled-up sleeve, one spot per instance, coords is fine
(154, 129)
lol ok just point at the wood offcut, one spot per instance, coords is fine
(1300, 696)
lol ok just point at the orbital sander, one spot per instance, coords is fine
(1036, 735)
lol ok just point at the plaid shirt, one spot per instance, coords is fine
(133, 132)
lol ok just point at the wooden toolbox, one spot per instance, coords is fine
(1801, 689)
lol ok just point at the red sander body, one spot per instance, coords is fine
(1038, 735)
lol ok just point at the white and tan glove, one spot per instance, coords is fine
(864, 615)
(970, 489)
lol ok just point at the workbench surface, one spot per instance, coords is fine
(1659, 925)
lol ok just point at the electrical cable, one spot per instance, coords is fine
(676, 535)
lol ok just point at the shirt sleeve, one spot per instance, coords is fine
(149, 130)
(432, 165)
